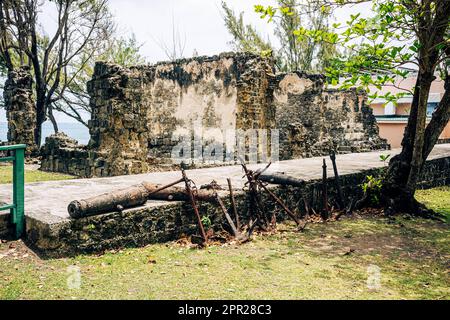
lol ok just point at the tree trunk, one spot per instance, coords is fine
(52, 119)
(439, 120)
(404, 169)
(40, 118)
(417, 160)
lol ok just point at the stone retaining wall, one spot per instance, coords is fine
(166, 221)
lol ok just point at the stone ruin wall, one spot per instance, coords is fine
(139, 112)
(314, 120)
(20, 110)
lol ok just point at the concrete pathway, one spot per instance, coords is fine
(52, 198)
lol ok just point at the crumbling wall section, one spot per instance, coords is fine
(141, 113)
(64, 154)
(119, 126)
(314, 120)
(20, 109)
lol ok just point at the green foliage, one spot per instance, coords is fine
(245, 36)
(207, 223)
(294, 51)
(123, 51)
(298, 52)
(380, 49)
(384, 157)
(372, 189)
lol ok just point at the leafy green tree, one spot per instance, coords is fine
(82, 25)
(399, 36)
(293, 52)
(74, 99)
(303, 53)
(245, 36)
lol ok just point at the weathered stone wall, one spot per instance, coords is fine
(64, 154)
(171, 220)
(20, 109)
(313, 120)
(141, 113)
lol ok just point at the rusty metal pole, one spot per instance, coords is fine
(281, 203)
(325, 210)
(233, 204)
(340, 198)
(255, 203)
(227, 216)
(194, 205)
(165, 187)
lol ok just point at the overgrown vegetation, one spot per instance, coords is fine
(372, 190)
(329, 260)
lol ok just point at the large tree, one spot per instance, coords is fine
(245, 36)
(398, 37)
(73, 98)
(291, 51)
(56, 60)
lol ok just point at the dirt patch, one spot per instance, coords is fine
(17, 250)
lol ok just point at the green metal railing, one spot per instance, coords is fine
(18, 205)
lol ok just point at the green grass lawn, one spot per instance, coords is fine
(31, 175)
(437, 199)
(327, 261)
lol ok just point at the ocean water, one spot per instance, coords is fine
(74, 130)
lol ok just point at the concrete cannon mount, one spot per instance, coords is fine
(51, 232)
